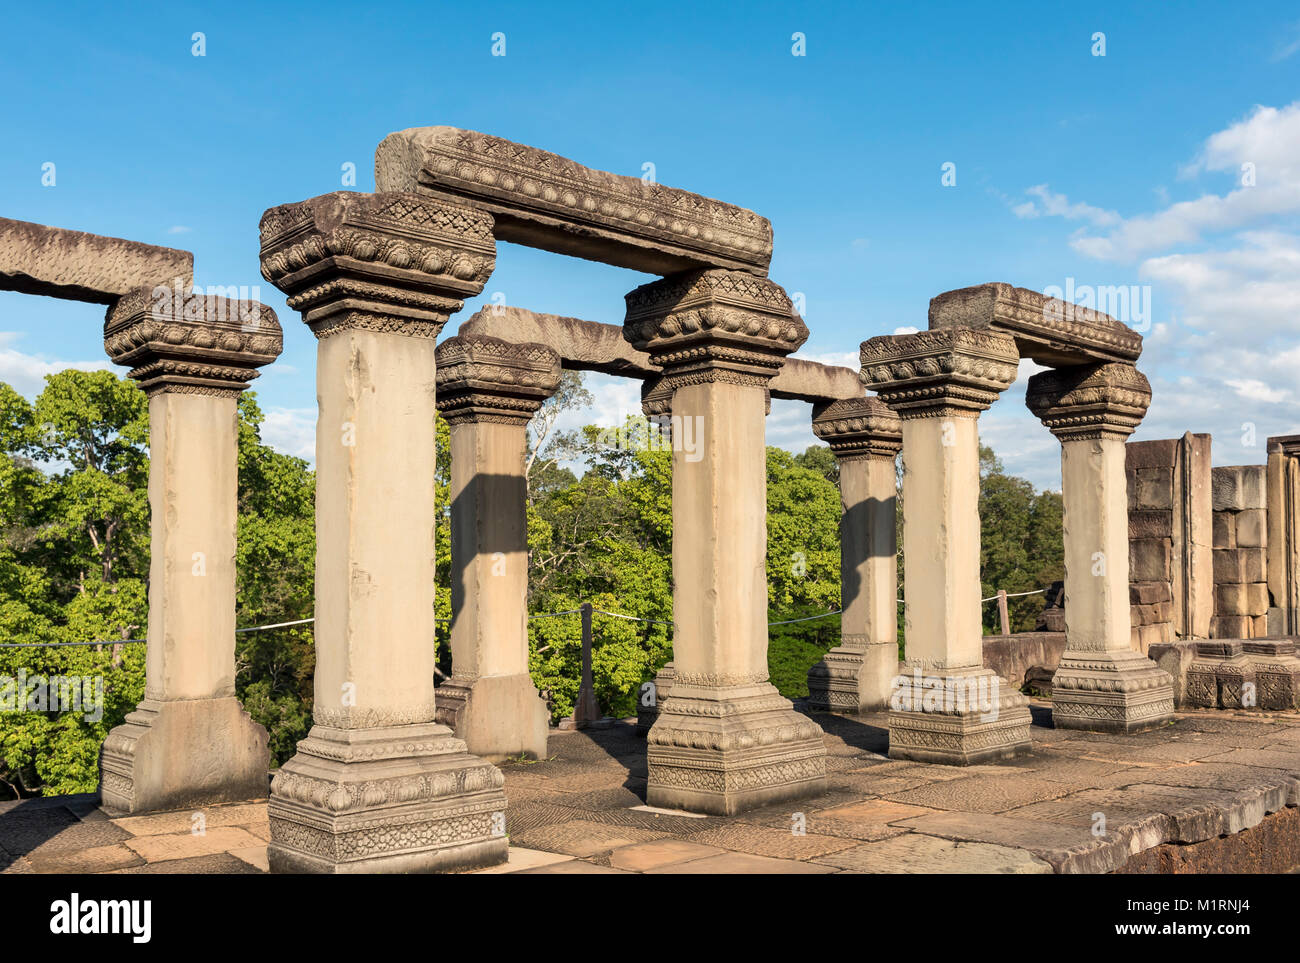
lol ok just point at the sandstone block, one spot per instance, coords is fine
(1252, 528)
(546, 201)
(1143, 523)
(1148, 560)
(1225, 529)
(1238, 488)
(1049, 330)
(1151, 488)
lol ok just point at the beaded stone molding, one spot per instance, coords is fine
(859, 426)
(481, 378)
(190, 343)
(715, 325)
(1089, 401)
(940, 373)
(1049, 330)
(399, 263)
(548, 201)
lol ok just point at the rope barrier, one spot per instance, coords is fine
(540, 615)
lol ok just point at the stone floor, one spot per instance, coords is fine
(582, 810)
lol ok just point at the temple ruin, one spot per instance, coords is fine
(1181, 583)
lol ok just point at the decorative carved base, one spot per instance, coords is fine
(498, 717)
(398, 799)
(962, 718)
(663, 686)
(182, 755)
(1244, 674)
(1111, 692)
(725, 749)
(853, 678)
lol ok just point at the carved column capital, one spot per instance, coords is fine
(715, 325)
(177, 341)
(485, 379)
(397, 263)
(859, 427)
(944, 373)
(1089, 401)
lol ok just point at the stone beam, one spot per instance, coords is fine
(59, 263)
(593, 346)
(1048, 330)
(550, 202)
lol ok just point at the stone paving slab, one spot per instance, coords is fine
(1163, 793)
(581, 837)
(919, 854)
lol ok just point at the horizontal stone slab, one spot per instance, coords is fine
(594, 346)
(543, 200)
(1048, 330)
(61, 263)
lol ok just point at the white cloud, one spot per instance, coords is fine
(1261, 155)
(1051, 204)
(179, 229)
(291, 431)
(25, 373)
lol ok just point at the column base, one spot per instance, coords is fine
(962, 717)
(498, 717)
(1111, 692)
(853, 678)
(397, 799)
(182, 754)
(725, 749)
(647, 714)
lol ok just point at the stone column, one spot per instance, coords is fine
(947, 707)
(189, 743)
(1101, 684)
(657, 406)
(1283, 568)
(378, 785)
(725, 739)
(487, 391)
(858, 674)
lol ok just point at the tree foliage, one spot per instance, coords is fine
(74, 562)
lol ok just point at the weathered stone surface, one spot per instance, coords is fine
(1225, 529)
(543, 200)
(485, 379)
(393, 263)
(1090, 401)
(1012, 656)
(593, 346)
(707, 326)
(919, 853)
(1251, 528)
(53, 261)
(1051, 331)
(1149, 560)
(487, 391)
(939, 372)
(725, 739)
(179, 341)
(1239, 488)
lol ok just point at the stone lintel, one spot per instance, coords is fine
(175, 340)
(1089, 401)
(1285, 444)
(61, 263)
(398, 263)
(855, 427)
(594, 346)
(481, 378)
(953, 371)
(1049, 330)
(547, 201)
(707, 326)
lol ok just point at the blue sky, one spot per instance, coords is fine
(1123, 169)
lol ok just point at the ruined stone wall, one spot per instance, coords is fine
(1240, 552)
(1171, 576)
